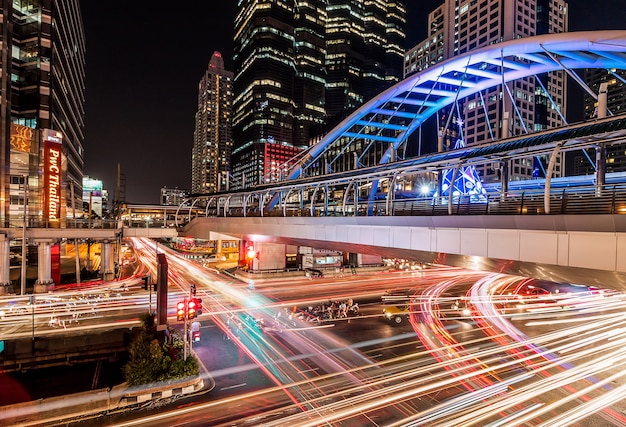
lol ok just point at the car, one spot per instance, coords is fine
(397, 313)
(533, 294)
(313, 272)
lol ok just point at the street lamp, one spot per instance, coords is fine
(24, 255)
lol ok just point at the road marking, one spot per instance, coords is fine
(234, 386)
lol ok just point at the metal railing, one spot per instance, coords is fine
(566, 201)
(36, 222)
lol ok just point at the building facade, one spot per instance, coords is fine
(41, 110)
(584, 163)
(303, 67)
(520, 107)
(173, 196)
(365, 48)
(213, 139)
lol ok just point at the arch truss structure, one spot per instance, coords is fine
(391, 117)
(397, 112)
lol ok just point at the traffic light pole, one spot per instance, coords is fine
(185, 311)
(150, 300)
(186, 335)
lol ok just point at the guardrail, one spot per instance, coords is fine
(584, 200)
(64, 409)
(36, 222)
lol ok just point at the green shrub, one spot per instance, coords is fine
(152, 358)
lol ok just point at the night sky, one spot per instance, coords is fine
(144, 62)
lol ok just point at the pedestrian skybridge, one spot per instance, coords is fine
(390, 204)
(571, 228)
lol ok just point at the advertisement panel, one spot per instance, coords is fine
(93, 186)
(92, 194)
(52, 180)
(22, 138)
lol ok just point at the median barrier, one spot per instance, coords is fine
(78, 405)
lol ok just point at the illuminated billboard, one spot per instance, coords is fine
(52, 167)
(92, 193)
(22, 138)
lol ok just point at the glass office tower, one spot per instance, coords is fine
(300, 69)
(264, 106)
(42, 109)
(213, 139)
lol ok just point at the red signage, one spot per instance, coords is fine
(52, 180)
(55, 263)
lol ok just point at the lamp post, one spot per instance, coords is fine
(24, 255)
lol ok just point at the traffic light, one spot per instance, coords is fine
(145, 280)
(198, 302)
(180, 311)
(191, 308)
(193, 289)
(250, 252)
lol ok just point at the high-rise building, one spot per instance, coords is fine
(264, 107)
(365, 44)
(213, 139)
(42, 73)
(457, 27)
(365, 48)
(173, 196)
(583, 163)
(310, 80)
(301, 68)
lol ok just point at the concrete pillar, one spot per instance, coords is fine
(77, 260)
(5, 279)
(108, 262)
(600, 168)
(504, 177)
(44, 281)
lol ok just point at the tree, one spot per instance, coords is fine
(153, 358)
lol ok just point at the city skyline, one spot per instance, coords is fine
(140, 109)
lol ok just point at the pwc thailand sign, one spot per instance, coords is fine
(53, 143)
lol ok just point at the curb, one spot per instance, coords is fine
(44, 411)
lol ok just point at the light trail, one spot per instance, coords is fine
(491, 374)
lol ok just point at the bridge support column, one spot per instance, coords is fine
(44, 281)
(600, 168)
(504, 177)
(601, 149)
(108, 262)
(5, 279)
(257, 256)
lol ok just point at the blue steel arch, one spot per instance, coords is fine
(394, 114)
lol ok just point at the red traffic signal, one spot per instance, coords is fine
(191, 308)
(180, 311)
(250, 252)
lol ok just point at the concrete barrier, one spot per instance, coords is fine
(77, 405)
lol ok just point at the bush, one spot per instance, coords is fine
(153, 359)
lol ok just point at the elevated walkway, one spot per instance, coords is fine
(587, 249)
